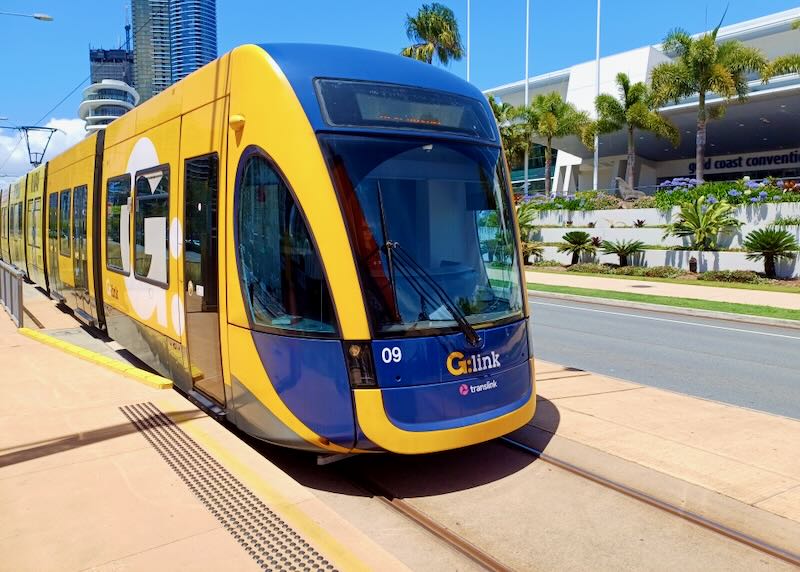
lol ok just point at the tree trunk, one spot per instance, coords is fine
(700, 153)
(769, 265)
(623, 259)
(631, 158)
(575, 256)
(548, 159)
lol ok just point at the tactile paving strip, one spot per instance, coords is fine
(272, 543)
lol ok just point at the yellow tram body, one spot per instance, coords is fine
(113, 225)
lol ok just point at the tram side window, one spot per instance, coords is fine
(34, 211)
(16, 220)
(282, 278)
(63, 222)
(52, 220)
(152, 226)
(118, 224)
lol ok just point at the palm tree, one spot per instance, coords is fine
(623, 249)
(790, 63)
(770, 244)
(577, 243)
(635, 109)
(548, 116)
(512, 134)
(526, 218)
(434, 31)
(703, 222)
(703, 66)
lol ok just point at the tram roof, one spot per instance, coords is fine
(303, 63)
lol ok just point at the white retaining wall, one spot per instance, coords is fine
(752, 217)
(757, 215)
(680, 259)
(653, 235)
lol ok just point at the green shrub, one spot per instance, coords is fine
(682, 190)
(645, 203)
(663, 272)
(591, 268)
(649, 271)
(577, 243)
(703, 221)
(787, 221)
(622, 248)
(742, 276)
(770, 244)
(545, 263)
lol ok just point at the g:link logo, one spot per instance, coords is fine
(457, 364)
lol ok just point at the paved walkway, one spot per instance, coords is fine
(737, 295)
(81, 486)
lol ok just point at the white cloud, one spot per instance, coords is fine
(70, 132)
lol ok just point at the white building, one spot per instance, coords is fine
(103, 102)
(759, 137)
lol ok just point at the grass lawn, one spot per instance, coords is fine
(746, 309)
(689, 282)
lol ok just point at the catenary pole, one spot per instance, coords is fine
(527, 94)
(595, 169)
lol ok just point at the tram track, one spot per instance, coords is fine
(487, 561)
(442, 533)
(692, 517)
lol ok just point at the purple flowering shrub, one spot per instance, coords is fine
(682, 190)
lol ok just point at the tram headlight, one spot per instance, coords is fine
(360, 367)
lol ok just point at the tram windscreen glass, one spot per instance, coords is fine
(364, 104)
(431, 225)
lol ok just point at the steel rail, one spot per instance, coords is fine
(707, 523)
(442, 533)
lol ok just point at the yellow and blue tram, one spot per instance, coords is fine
(318, 241)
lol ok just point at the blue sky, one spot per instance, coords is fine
(43, 61)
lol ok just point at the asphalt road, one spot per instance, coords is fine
(742, 364)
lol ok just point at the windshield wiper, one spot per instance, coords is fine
(406, 260)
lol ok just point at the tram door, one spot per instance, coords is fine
(79, 262)
(200, 273)
(53, 279)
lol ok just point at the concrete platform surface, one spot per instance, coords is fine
(82, 488)
(787, 300)
(745, 455)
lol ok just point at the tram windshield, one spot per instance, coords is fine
(432, 231)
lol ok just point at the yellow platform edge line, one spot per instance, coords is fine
(128, 370)
(303, 523)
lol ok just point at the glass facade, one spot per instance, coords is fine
(151, 46)
(193, 35)
(173, 38)
(535, 169)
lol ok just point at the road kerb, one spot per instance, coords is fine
(666, 309)
(129, 371)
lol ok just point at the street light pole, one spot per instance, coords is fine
(37, 16)
(595, 173)
(527, 95)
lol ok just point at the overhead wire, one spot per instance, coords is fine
(83, 81)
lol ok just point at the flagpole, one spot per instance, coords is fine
(595, 173)
(527, 97)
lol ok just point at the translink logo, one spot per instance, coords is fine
(458, 364)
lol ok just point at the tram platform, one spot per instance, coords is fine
(100, 472)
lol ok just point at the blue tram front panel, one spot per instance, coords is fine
(441, 382)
